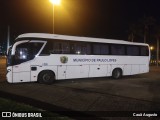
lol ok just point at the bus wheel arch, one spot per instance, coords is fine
(46, 77)
(117, 73)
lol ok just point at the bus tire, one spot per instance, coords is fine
(46, 77)
(117, 73)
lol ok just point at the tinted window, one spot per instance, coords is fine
(132, 50)
(86, 49)
(117, 49)
(66, 47)
(76, 48)
(104, 49)
(144, 51)
(96, 49)
(80, 48)
(100, 49)
(54, 47)
(47, 49)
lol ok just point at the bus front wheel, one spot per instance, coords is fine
(117, 73)
(46, 77)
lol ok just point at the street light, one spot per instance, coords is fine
(54, 2)
(151, 48)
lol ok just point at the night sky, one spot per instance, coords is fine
(109, 19)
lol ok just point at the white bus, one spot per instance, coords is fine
(48, 57)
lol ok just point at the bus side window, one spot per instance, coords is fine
(47, 49)
(85, 49)
(88, 49)
(100, 49)
(144, 51)
(75, 48)
(96, 49)
(104, 49)
(78, 48)
(133, 50)
(117, 49)
(34, 48)
(57, 48)
(65, 48)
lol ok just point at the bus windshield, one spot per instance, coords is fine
(9, 57)
(26, 51)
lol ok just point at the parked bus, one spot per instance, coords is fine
(48, 57)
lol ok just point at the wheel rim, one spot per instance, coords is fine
(46, 77)
(117, 74)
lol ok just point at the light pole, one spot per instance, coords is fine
(54, 2)
(8, 39)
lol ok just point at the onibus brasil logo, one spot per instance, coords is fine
(64, 59)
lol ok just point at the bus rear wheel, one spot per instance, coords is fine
(117, 73)
(46, 77)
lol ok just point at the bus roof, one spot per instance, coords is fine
(72, 38)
